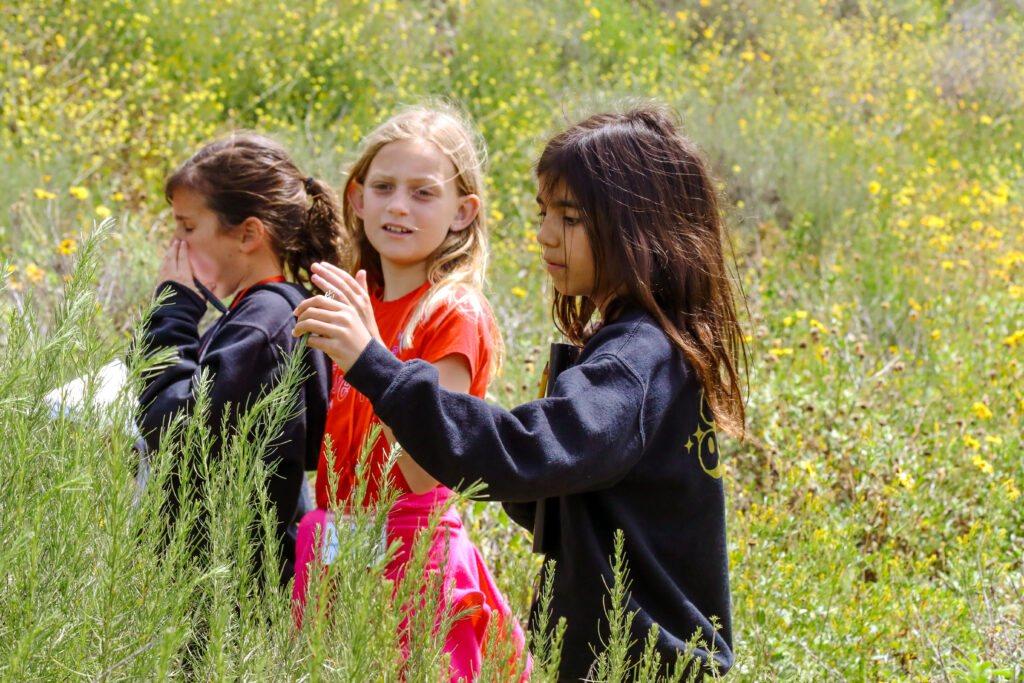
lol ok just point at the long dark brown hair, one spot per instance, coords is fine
(249, 175)
(651, 214)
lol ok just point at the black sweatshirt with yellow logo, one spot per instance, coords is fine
(624, 440)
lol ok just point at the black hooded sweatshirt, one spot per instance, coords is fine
(623, 441)
(244, 351)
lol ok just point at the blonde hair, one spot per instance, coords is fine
(457, 268)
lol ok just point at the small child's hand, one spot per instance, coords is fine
(330, 278)
(176, 266)
(334, 326)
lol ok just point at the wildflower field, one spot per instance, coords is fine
(870, 157)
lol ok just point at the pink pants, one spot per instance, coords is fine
(469, 589)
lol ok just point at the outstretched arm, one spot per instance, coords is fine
(584, 437)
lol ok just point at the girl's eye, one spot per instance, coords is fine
(381, 187)
(570, 220)
(425, 193)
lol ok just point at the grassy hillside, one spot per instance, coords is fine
(870, 154)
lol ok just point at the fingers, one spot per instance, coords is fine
(338, 279)
(333, 273)
(318, 302)
(340, 333)
(328, 268)
(175, 265)
(316, 329)
(171, 255)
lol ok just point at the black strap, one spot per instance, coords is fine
(210, 297)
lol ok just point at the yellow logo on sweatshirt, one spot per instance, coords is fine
(707, 444)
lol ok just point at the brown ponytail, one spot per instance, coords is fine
(249, 175)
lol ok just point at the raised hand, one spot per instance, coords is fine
(336, 323)
(352, 290)
(175, 265)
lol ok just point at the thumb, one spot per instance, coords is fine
(361, 279)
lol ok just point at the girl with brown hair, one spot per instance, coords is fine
(625, 439)
(247, 220)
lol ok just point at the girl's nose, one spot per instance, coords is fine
(547, 236)
(397, 204)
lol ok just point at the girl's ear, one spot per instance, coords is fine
(469, 207)
(251, 235)
(355, 197)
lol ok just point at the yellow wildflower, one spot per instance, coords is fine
(34, 273)
(519, 291)
(874, 187)
(981, 410)
(102, 211)
(43, 194)
(982, 464)
(67, 246)
(78, 192)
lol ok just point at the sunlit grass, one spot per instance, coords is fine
(870, 154)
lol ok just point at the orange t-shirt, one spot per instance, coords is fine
(464, 329)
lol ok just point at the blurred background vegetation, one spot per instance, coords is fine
(870, 156)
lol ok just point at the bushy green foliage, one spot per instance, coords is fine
(870, 157)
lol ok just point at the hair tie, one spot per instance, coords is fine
(310, 185)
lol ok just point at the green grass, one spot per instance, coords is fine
(870, 158)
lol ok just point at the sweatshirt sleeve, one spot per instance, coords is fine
(583, 437)
(239, 348)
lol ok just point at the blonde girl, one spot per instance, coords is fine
(414, 210)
